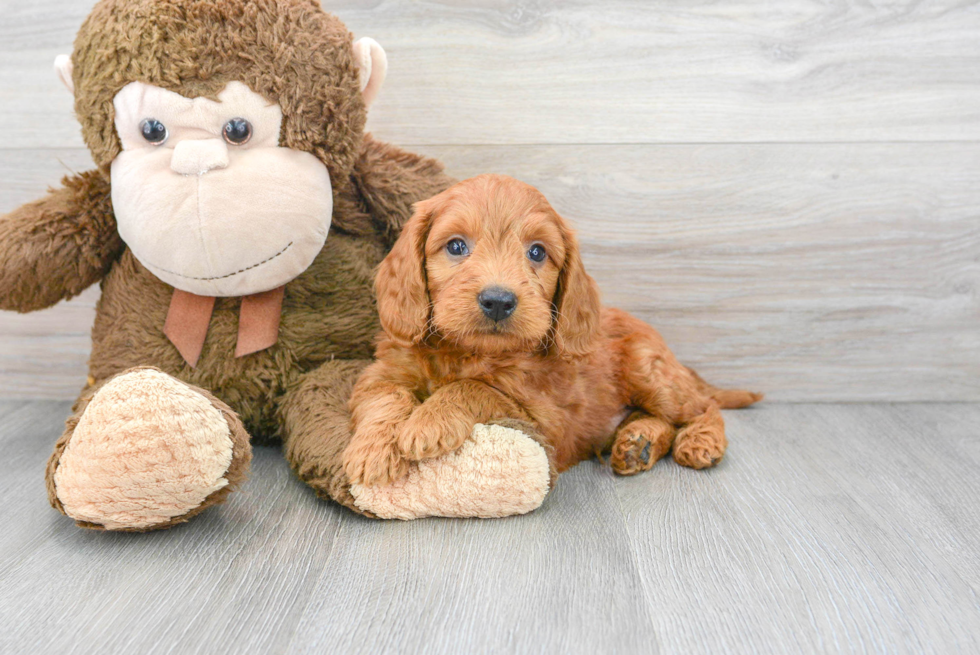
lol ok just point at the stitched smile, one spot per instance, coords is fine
(223, 277)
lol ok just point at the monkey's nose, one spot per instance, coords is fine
(496, 303)
(197, 157)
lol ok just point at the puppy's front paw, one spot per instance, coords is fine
(377, 463)
(429, 433)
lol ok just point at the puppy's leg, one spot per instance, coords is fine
(640, 442)
(443, 422)
(378, 411)
(701, 442)
(663, 387)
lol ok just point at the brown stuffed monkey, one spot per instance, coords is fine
(234, 221)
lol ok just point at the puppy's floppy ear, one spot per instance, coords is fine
(400, 285)
(576, 302)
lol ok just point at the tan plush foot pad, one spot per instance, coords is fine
(497, 472)
(147, 449)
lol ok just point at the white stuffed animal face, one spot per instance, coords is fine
(206, 198)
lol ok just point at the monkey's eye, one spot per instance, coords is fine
(536, 253)
(457, 248)
(237, 131)
(153, 131)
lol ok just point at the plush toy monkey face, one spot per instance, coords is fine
(227, 129)
(206, 198)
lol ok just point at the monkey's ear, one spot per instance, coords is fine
(64, 68)
(372, 63)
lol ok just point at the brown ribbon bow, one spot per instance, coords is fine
(189, 316)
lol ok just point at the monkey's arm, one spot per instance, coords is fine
(55, 248)
(391, 180)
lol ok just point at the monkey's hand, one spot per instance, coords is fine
(55, 248)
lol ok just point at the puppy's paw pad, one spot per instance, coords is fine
(631, 455)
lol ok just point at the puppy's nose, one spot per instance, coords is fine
(198, 156)
(496, 303)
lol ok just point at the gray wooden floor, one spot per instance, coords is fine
(828, 528)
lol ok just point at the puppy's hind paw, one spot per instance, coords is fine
(631, 455)
(697, 456)
(640, 444)
(698, 451)
(701, 444)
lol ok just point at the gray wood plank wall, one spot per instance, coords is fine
(790, 192)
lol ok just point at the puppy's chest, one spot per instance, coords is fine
(529, 382)
(509, 377)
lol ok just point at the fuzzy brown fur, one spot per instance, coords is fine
(55, 248)
(288, 51)
(292, 53)
(560, 360)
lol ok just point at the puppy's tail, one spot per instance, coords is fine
(726, 398)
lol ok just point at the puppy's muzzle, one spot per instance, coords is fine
(497, 303)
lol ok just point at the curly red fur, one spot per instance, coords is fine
(590, 378)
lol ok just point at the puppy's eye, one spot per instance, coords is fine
(237, 131)
(457, 248)
(153, 131)
(536, 253)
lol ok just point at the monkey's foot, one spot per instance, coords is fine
(146, 452)
(499, 471)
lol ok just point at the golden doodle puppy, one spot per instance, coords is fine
(489, 314)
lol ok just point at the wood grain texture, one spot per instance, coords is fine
(562, 580)
(622, 71)
(837, 272)
(827, 528)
